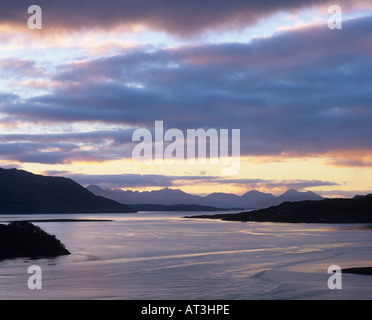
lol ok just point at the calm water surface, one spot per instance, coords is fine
(164, 256)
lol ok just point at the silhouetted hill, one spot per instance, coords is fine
(23, 239)
(164, 196)
(25, 192)
(357, 210)
(247, 200)
(290, 195)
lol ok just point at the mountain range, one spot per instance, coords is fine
(251, 200)
(25, 192)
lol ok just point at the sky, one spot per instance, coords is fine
(73, 93)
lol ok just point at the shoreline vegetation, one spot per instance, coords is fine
(23, 239)
(356, 210)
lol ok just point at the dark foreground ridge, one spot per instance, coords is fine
(367, 271)
(23, 239)
(356, 210)
(22, 192)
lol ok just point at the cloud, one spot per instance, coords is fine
(66, 147)
(125, 181)
(8, 98)
(181, 18)
(303, 92)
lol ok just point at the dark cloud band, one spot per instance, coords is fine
(176, 17)
(300, 92)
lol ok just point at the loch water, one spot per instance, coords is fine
(161, 255)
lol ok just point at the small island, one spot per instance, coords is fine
(356, 210)
(24, 239)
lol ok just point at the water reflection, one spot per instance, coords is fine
(163, 256)
(350, 227)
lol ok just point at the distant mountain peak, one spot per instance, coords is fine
(306, 195)
(291, 192)
(256, 192)
(94, 187)
(169, 191)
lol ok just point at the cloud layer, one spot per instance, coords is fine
(301, 92)
(179, 18)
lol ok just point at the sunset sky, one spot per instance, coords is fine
(72, 94)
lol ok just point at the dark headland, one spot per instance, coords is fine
(356, 210)
(22, 192)
(367, 271)
(23, 239)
